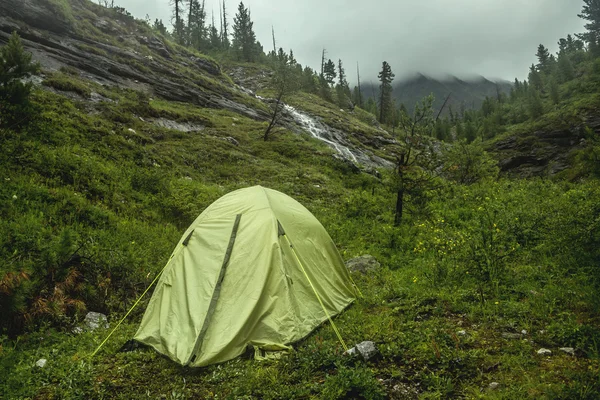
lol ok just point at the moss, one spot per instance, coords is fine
(67, 83)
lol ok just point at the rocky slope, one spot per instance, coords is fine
(78, 37)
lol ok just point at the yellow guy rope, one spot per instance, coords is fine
(137, 302)
(335, 329)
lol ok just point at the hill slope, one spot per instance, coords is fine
(115, 162)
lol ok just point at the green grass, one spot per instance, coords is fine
(94, 196)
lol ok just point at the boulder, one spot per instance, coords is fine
(366, 349)
(363, 264)
(94, 320)
(544, 352)
(568, 350)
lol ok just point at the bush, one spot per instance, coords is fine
(15, 64)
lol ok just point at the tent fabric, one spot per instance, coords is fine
(233, 281)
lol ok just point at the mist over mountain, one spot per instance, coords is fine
(462, 93)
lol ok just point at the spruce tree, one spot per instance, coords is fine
(565, 68)
(554, 92)
(543, 56)
(196, 25)
(536, 107)
(15, 64)
(535, 79)
(159, 27)
(179, 25)
(385, 92)
(591, 13)
(213, 35)
(225, 28)
(329, 72)
(244, 38)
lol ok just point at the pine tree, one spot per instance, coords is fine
(371, 106)
(470, 132)
(591, 13)
(385, 92)
(565, 68)
(536, 107)
(213, 35)
(554, 91)
(179, 26)
(225, 30)
(159, 27)
(244, 38)
(358, 99)
(15, 64)
(535, 79)
(309, 80)
(329, 72)
(196, 25)
(543, 56)
(342, 75)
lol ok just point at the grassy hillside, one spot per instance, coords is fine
(103, 178)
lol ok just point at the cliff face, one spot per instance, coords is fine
(120, 51)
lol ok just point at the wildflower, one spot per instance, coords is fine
(496, 303)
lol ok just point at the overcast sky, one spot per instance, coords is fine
(494, 38)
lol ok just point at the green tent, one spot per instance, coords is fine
(256, 268)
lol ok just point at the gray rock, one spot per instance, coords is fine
(94, 320)
(366, 349)
(41, 363)
(494, 385)
(231, 140)
(544, 352)
(511, 336)
(77, 330)
(568, 350)
(363, 264)
(402, 391)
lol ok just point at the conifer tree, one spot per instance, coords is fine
(385, 92)
(565, 68)
(244, 38)
(213, 35)
(159, 27)
(196, 24)
(591, 13)
(554, 91)
(358, 98)
(536, 107)
(225, 30)
(15, 64)
(543, 56)
(535, 79)
(329, 72)
(178, 25)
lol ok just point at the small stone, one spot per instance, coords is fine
(41, 362)
(544, 352)
(232, 140)
(507, 335)
(568, 350)
(461, 333)
(363, 264)
(77, 330)
(366, 349)
(95, 320)
(494, 385)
